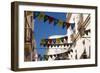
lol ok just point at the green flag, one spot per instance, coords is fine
(43, 41)
(45, 18)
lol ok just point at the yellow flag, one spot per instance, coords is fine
(41, 16)
(60, 23)
(57, 40)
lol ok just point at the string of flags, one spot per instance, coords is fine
(64, 44)
(57, 55)
(55, 42)
(52, 20)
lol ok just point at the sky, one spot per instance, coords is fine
(44, 30)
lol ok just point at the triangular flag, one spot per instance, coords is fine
(51, 56)
(44, 57)
(71, 50)
(68, 52)
(55, 21)
(57, 40)
(86, 32)
(43, 41)
(66, 38)
(62, 39)
(50, 41)
(72, 25)
(46, 40)
(45, 18)
(89, 30)
(60, 23)
(48, 45)
(64, 25)
(54, 41)
(64, 45)
(65, 41)
(51, 45)
(67, 44)
(50, 19)
(41, 16)
(54, 55)
(67, 24)
(36, 14)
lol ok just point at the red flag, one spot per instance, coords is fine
(51, 19)
(48, 45)
(50, 41)
(68, 24)
(66, 38)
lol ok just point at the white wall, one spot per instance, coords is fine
(5, 32)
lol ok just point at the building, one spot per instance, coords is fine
(30, 53)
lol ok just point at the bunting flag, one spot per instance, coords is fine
(57, 40)
(50, 19)
(67, 24)
(48, 45)
(57, 56)
(51, 56)
(64, 25)
(46, 57)
(60, 23)
(66, 38)
(54, 42)
(62, 40)
(67, 44)
(72, 25)
(71, 50)
(87, 31)
(43, 41)
(36, 14)
(43, 16)
(55, 21)
(50, 40)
